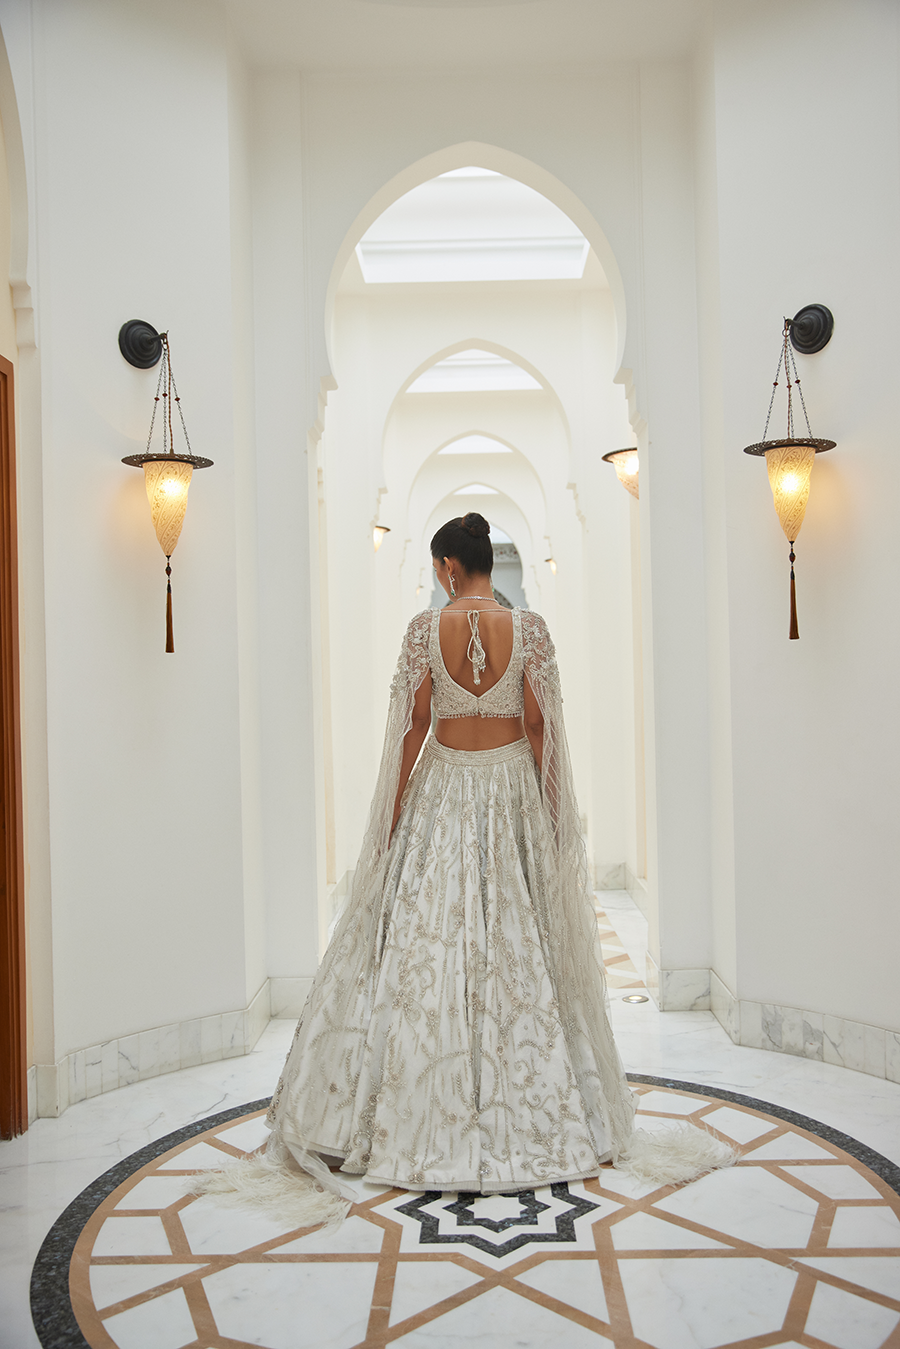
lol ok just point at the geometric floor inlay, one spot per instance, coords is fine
(621, 972)
(797, 1245)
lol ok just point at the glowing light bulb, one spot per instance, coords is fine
(790, 482)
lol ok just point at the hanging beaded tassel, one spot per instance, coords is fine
(794, 630)
(170, 634)
(475, 652)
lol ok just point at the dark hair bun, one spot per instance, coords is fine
(467, 539)
(476, 525)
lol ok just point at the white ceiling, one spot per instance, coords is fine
(472, 225)
(317, 35)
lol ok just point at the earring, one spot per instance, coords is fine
(452, 588)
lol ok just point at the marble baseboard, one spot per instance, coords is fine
(609, 875)
(287, 997)
(678, 990)
(808, 1035)
(637, 888)
(31, 1083)
(134, 1058)
(725, 1007)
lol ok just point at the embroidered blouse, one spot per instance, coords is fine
(449, 699)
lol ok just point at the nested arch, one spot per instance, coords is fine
(543, 409)
(470, 434)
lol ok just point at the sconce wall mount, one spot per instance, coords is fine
(140, 344)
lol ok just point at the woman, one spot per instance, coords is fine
(456, 1036)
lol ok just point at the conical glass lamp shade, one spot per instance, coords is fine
(790, 466)
(626, 464)
(167, 482)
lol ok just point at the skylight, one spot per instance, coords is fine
(476, 445)
(472, 225)
(473, 372)
(476, 489)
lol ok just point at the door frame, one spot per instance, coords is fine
(13, 1013)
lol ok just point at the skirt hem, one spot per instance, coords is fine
(454, 1187)
(489, 1187)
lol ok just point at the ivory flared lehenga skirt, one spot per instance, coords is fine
(432, 1052)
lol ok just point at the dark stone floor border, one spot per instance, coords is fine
(51, 1307)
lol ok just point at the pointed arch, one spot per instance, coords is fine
(466, 435)
(500, 160)
(496, 349)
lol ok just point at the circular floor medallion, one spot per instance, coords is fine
(798, 1243)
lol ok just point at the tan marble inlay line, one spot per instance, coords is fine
(498, 1278)
(619, 1327)
(613, 1288)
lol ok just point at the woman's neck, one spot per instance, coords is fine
(478, 587)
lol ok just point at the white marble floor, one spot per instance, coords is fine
(41, 1172)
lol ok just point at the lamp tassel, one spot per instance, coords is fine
(795, 631)
(170, 635)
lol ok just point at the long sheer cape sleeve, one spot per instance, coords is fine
(669, 1156)
(578, 957)
(412, 667)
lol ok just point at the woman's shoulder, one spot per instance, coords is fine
(537, 644)
(532, 622)
(419, 625)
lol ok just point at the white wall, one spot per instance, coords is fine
(290, 655)
(150, 823)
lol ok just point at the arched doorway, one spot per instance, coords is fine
(528, 361)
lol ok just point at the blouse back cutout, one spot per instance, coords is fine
(506, 698)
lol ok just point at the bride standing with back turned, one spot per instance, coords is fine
(457, 1034)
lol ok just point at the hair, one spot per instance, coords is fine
(466, 539)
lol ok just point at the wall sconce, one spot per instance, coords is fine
(378, 533)
(167, 475)
(626, 464)
(551, 563)
(790, 459)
